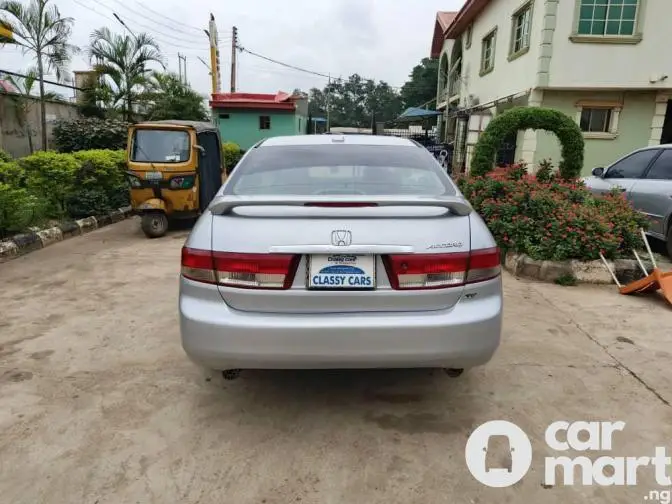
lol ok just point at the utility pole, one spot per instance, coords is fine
(234, 47)
(215, 72)
(328, 95)
(182, 63)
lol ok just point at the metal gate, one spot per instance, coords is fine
(427, 137)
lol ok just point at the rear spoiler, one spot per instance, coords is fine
(222, 205)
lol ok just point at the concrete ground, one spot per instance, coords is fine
(100, 405)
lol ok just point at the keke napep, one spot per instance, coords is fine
(175, 168)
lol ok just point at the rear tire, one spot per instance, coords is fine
(154, 224)
(668, 243)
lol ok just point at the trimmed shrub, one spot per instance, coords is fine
(4, 156)
(232, 154)
(100, 183)
(555, 220)
(522, 118)
(90, 133)
(18, 210)
(12, 174)
(51, 176)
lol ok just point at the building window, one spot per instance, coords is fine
(522, 23)
(264, 122)
(488, 52)
(596, 120)
(223, 116)
(467, 36)
(599, 120)
(608, 17)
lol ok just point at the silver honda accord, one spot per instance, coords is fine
(327, 251)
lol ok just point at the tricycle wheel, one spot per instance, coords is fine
(154, 224)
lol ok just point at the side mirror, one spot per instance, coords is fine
(598, 172)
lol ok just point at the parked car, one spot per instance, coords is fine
(645, 176)
(330, 251)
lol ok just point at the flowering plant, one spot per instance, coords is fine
(549, 218)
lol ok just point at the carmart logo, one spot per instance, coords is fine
(507, 466)
(476, 454)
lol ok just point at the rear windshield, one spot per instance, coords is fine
(339, 169)
(160, 146)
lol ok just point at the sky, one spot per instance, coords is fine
(378, 39)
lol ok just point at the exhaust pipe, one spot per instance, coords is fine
(230, 374)
(453, 373)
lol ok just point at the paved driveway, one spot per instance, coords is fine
(98, 404)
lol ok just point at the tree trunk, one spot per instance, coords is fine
(29, 132)
(129, 109)
(43, 107)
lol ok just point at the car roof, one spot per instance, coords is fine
(336, 139)
(659, 146)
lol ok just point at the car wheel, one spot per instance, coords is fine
(668, 243)
(154, 224)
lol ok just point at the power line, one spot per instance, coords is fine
(141, 5)
(130, 19)
(300, 69)
(125, 6)
(15, 74)
(159, 39)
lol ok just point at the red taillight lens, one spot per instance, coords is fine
(437, 271)
(484, 264)
(341, 204)
(426, 271)
(197, 265)
(252, 271)
(260, 271)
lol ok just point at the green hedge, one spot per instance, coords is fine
(57, 185)
(19, 209)
(232, 154)
(100, 183)
(51, 176)
(522, 118)
(90, 133)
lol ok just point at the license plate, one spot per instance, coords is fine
(153, 176)
(342, 271)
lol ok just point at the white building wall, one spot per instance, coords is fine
(605, 65)
(508, 77)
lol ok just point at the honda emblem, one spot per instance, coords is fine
(341, 238)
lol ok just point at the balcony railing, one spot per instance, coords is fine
(454, 84)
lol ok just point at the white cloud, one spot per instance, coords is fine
(380, 39)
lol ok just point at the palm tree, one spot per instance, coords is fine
(123, 61)
(24, 101)
(167, 97)
(40, 30)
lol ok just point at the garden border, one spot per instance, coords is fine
(36, 239)
(587, 272)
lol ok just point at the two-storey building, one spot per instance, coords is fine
(603, 62)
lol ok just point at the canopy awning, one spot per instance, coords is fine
(415, 113)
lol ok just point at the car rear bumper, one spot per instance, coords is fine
(219, 337)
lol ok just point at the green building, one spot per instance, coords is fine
(246, 118)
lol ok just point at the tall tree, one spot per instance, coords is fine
(123, 62)
(168, 98)
(23, 101)
(40, 30)
(421, 86)
(355, 102)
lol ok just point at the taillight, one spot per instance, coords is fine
(339, 204)
(484, 264)
(198, 265)
(437, 271)
(251, 271)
